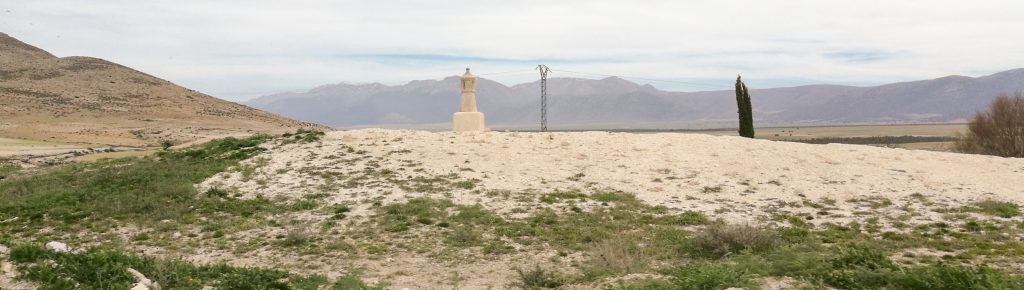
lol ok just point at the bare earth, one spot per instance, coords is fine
(737, 179)
(90, 100)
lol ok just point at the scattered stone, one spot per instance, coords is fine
(141, 282)
(4, 251)
(58, 247)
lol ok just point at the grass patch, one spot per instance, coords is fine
(560, 196)
(302, 136)
(99, 268)
(995, 208)
(131, 189)
(845, 266)
(8, 170)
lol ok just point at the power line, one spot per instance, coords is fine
(507, 72)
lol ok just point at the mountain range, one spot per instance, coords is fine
(89, 100)
(613, 102)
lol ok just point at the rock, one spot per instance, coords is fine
(58, 247)
(141, 282)
(734, 288)
(4, 251)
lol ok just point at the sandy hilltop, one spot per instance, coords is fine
(89, 100)
(735, 179)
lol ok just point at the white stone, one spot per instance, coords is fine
(468, 121)
(58, 247)
(468, 118)
(4, 251)
(141, 282)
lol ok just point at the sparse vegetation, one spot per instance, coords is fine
(719, 240)
(8, 170)
(145, 189)
(166, 144)
(876, 140)
(102, 268)
(302, 135)
(373, 205)
(537, 278)
(997, 208)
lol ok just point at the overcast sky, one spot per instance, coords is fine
(242, 49)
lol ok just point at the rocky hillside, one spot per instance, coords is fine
(90, 100)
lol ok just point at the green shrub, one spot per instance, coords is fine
(537, 278)
(995, 208)
(351, 281)
(617, 256)
(692, 218)
(719, 240)
(944, 276)
(703, 276)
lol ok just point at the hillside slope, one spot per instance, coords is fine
(90, 100)
(533, 178)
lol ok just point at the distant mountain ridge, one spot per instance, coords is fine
(90, 100)
(617, 103)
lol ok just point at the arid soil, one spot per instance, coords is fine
(89, 100)
(731, 178)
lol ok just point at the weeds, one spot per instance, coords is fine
(537, 278)
(719, 240)
(995, 208)
(99, 268)
(143, 189)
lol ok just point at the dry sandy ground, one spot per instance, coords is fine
(739, 180)
(90, 100)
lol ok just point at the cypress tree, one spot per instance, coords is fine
(745, 110)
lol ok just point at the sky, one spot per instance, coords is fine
(238, 50)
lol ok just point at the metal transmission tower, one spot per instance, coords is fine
(544, 70)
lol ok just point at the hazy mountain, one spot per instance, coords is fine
(617, 103)
(84, 99)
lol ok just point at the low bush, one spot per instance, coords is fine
(718, 240)
(997, 208)
(537, 278)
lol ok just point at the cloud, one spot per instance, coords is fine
(240, 49)
(859, 55)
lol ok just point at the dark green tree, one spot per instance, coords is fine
(746, 112)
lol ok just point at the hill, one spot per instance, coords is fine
(90, 100)
(617, 103)
(514, 210)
